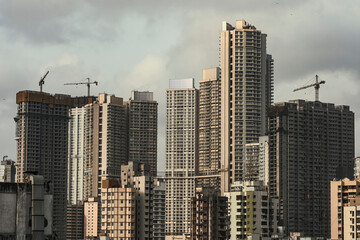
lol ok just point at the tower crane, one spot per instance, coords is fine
(87, 83)
(316, 85)
(42, 80)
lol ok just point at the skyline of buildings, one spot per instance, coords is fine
(110, 147)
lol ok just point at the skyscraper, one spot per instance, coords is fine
(181, 154)
(246, 92)
(209, 129)
(143, 129)
(311, 143)
(41, 136)
(76, 146)
(106, 138)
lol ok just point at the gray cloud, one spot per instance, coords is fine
(139, 45)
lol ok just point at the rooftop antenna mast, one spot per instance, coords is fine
(42, 80)
(88, 83)
(316, 85)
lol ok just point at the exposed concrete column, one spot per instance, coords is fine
(37, 203)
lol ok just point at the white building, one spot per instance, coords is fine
(181, 155)
(76, 145)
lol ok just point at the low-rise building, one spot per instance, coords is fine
(345, 198)
(26, 210)
(209, 215)
(75, 221)
(92, 215)
(252, 212)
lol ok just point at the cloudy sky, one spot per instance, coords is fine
(140, 45)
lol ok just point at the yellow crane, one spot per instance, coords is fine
(88, 83)
(316, 85)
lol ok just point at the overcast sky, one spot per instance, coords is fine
(140, 45)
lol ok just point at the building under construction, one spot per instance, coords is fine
(311, 143)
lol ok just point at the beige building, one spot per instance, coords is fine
(351, 221)
(42, 141)
(92, 209)
(142, 114)
(246, 93)
(181, 155)
(345, 201)
(209, 128)
(106, 142)
(118, 210)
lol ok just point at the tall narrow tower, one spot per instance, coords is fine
(181, 154)
(106, 138)
(143, 129)
(246, 92)
(42, 135)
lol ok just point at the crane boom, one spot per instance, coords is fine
(316, 85)
(87, 83)
(42, 80)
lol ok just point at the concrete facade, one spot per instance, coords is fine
(75, 221)
(246, 93)
(345, 199)
(118, 210)
(92, 221)
(181, 154)
(106, 142)
(252, 212)
(209, 215)
(311, 143)
(7, 171)
(143, 120)
(42, 145)
(209, 128)
(159, 209)
(26, 210)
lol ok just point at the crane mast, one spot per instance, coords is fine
(316, 85)
(42, 80)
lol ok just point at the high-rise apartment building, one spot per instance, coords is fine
(143, 129)
(209, 215)
(311, 143)
(106, 142)
(41, 136)
(181, 154)
(7, 171)
(209, 129)
(159, 209)
(75, 221)
(345, 203)
(76, 146)
(138, 176)
(246, 92)
(252, 212)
